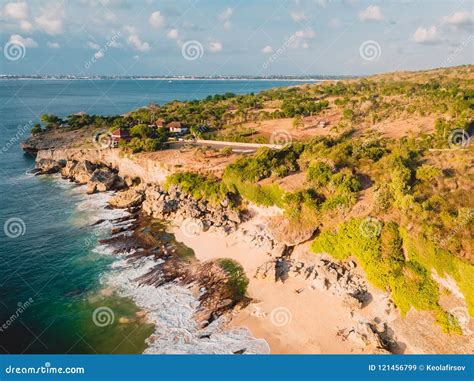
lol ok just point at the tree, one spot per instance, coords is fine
(36, 129)
(142, 131)
(298, 122)
(52, 121)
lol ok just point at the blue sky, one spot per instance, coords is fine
(192, 37)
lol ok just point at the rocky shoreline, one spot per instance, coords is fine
(207, 280)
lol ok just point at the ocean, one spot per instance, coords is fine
(60, 290)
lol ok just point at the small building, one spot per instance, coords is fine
(177, 128)
(119, 135)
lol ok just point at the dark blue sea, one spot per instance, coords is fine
(60, 291)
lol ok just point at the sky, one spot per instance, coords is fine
(240, 37)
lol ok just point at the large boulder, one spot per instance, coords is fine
(128, 198)
(101, 180)
(288, 232)
(68, 169)
(49, 166)
(83, 171)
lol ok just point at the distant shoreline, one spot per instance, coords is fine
(173, 79)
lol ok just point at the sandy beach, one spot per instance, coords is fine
(294, 317)
(306, 321)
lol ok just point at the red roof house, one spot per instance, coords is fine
(119, 135)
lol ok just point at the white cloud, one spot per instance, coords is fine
(156, 20)
(299, 16)
(225, 16)
(26, 26)
(138, 44)
(99, 54)
(93, 45)
(426, 36)
(53, 45)
(300, 39)
(26, 42)
(215, 47)
(51, 18)
(267, 50)
(17, 11)
(135, 41)
(307, 33)
(372, 13)
(173, 34)
(321, 3)
(460, 19)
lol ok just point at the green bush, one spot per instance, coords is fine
(320, 173)
(238, 281)
(36, 129)
(199, 186)
(428, 172)
(383, 261)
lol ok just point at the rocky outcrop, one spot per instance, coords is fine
(128, 198)
(285, 231)
(324, 274)
(98, 177)
(173, 204)
(49, 166)
(102, 180)
(371, 336)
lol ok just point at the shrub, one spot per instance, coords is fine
(238, 281)
(428, 172)
(199, 186)
(320, 173)
(383, 261)
(36, 129)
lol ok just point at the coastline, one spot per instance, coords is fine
(328, 307)
(288, 321)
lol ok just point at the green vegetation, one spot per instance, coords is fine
(199, 186)
(36, 129)
(384, 263)
(421, 187)
(238, 281)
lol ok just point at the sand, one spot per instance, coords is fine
(291, 322)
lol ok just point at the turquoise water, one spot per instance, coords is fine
(50, 268)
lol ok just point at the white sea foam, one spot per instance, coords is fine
(171, 309)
